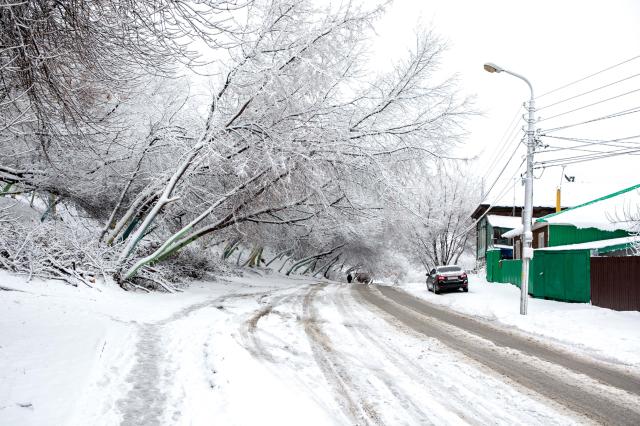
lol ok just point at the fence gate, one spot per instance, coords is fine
(615, 282)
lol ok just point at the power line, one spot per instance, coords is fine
(500, 195)
(604, 117)
(502, 171)
(508, 183)
(626, 138)
(588, 92)
(612, 153)
(590, 105)
(588, 76)
(506, 136)
(580, 148)
(584, 158)
(591, 142)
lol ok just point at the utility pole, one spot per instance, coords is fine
(527, 248)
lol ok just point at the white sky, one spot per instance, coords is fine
(551, 43)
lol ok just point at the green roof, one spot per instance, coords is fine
(615, 194)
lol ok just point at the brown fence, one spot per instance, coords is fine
(615, 282)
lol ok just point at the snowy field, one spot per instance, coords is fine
(239, 351)
(580, 328)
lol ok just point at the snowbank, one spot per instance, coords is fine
(71, 355)
(578, 327)
(62, 346)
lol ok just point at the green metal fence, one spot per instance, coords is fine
(563, 275)
(503, 271)
(560, 275)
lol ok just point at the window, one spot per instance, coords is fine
(449, 269)
(482, 239)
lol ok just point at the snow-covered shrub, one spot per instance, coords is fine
(51, 249)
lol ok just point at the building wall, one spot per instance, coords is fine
(560, 235)
(541, 237)
(481, 239)
(540, 240)
(487, 236)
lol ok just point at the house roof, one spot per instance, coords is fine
(507, 210)
(608, 213)
(508, 222)
(520, 229)
(602, 246)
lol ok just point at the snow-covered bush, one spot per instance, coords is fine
(52, 249)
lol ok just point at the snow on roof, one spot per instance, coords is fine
(607, 213)
(513, 233)
(520, 229)
(502, 246)
(596, 245)
(509, 222)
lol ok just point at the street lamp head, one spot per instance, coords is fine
(490, 67)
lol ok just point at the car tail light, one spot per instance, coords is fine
(463, 276)
(440, 278)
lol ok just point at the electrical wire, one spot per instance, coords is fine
(502, 171)
(583, 158)
(587, 92)
(590, 105)
(503, 144)
(604, 117)
(587, 77)
(578, 148)
(591, 142)
(500, 195)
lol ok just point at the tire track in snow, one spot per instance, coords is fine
(360, 411)
(263, 345)
(448, 391)
(562, 390)
(248, 331)
(367, 337)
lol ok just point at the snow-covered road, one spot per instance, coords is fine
(274, 350)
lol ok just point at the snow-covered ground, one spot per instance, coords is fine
(243, 350)
(578, 327)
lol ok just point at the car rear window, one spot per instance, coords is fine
(450, 269)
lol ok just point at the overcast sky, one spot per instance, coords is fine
(551, 43)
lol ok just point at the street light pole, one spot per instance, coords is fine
(527, 247)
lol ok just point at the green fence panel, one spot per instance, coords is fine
(536, 283)
(511, 271)
(563, 275)
(493, 272)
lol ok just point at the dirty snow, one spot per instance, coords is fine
(258, 349)
(581, 328)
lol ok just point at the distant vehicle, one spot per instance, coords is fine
(449, 277)
(363, 277)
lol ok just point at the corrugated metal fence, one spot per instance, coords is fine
(615, 282)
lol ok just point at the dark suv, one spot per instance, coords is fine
(447, 278)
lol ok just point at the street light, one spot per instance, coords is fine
(527, 249)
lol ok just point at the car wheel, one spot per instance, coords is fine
(465, 289)
(436, 288)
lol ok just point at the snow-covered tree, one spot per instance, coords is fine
(300, 147)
